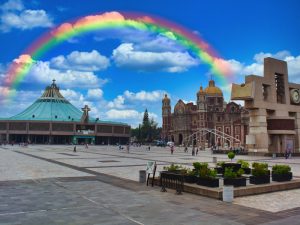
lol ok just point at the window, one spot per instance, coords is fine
(280, 92)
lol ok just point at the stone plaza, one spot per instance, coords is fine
(51, 184)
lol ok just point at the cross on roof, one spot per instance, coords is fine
(86, 109)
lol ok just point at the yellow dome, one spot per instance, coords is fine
(212, 89)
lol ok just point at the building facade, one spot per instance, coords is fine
(274, 107)
(189, 123)
(54, 120)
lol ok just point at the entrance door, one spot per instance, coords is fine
(180, 138)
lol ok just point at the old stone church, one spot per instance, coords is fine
(228, 120)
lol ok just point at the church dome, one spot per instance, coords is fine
(212, 89)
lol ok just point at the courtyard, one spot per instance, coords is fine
(51, 184)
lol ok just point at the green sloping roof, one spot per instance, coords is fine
(50, 109)
(52, 106)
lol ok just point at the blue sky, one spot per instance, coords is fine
(91, 68)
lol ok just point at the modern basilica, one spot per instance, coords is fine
(52, 119)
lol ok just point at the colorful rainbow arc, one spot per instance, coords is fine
(109, 20)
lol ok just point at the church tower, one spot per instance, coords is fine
(201, 100)
(166, 117)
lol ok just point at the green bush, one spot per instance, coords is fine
(229, 173)
(281, 169)
(173, 167)
(231, 155)
(262, 165)
(259, 169)
(198, 165)
(244, 164)
(240, 172)
(221, 163)
(212, 173)
(207, 173)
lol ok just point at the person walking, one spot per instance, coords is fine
(197, 151)
(74, 150)
(193, 151)
(172, 149)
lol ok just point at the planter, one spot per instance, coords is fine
(173, 171)
(219, 170)
(247, 170)
(265, 179)
(208, 182)
(282, 177)
(190, 179)
(235, 166)
(236, 182)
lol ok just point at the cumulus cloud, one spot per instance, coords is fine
(82, 61)
(95, 94)
(127, 114)
(42, 72)
(240, 69)
(118, 102)
(14, 15)
(136, 98)
(126, 56)
(12, 5)
(144, 96)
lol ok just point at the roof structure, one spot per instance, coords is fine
(52, 106)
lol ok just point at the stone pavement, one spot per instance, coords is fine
(52, 185)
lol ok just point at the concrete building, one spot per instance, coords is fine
(274, 108)
(54, 120)
(210, 113)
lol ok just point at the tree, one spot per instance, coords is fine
(147, 131)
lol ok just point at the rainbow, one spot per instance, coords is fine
(18, 70)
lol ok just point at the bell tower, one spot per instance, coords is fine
(201, 100)
(166, 117)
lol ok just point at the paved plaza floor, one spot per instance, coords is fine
(43, 184)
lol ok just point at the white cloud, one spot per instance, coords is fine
(95, 94)
(15, 16)
(12, 5)
(127, 114)
(42, 73)
(118, 102)
(82, 61)
(144, 96)
(240, 69)
(126, 56)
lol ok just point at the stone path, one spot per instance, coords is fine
(53, 185)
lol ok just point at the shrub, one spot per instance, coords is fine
(173, 167)
(212, 173)
(229, 173)
(244, 164)
(281, 169)
(198, 165)
(221, 163)
(240, 172)
(263, 165)
(259, 169)
(207, 173)
(231, 155)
